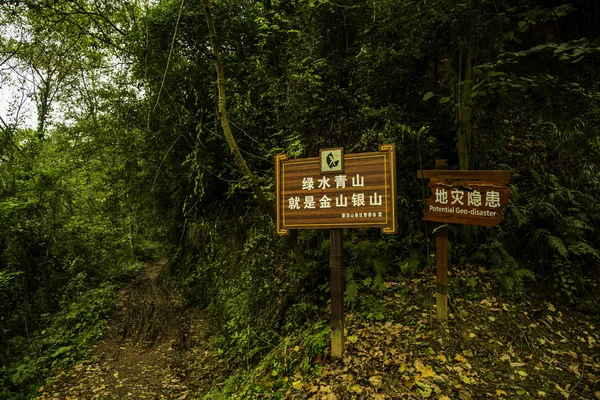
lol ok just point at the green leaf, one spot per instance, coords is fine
(427, 96)
(558, 245)
(352, 338)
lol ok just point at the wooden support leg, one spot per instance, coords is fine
(337, 294)
(441, 248)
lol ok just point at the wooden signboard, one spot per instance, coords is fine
(337, 190)
(461, 197)
(466, 197)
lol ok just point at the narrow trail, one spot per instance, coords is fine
(146, 353)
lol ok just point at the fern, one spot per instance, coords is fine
(507, 270)
(548, 210)
(584, 249)
(558, 245)
(577, 223)
(351, 292)
(379, 267)
(522, 218)
(559, 224)
(537, 238)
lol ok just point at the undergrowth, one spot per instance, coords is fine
(65, 336)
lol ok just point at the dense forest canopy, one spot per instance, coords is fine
(122, 156)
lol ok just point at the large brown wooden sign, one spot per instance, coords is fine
(466, 197)
(357, 192)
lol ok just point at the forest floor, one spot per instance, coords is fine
(490, 347)
(144, 352)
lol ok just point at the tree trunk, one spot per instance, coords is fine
(237, 155)
(464, 85)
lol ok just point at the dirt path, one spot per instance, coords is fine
(146, 352)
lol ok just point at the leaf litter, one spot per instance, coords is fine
(490, 347)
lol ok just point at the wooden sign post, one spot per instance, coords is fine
(337, 293)
(335, 191)
(461, 197)
(441, 260)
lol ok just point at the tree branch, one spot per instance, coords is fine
(237, 155)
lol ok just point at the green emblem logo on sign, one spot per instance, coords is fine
(332, 160)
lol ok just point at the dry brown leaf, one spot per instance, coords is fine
(426, 371)
(517, 364)
(562, 391)
(325, 388)
(574, 368)
(356, 389)
(460, 358)
(376, 381)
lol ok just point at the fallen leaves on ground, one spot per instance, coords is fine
(490, 347)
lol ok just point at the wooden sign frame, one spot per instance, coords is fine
(469, 182)
(373, 173)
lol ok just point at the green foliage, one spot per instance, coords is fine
(297, 357)
(408, 267)
(245, 284)
(465, 288)
(66, 337)
(506, 269)
(71, 193)
(320, 75)
(557, 226)
(127, 161)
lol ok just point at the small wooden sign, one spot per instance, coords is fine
(337, 190)
(466, 197)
